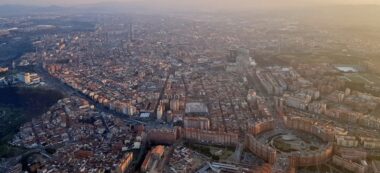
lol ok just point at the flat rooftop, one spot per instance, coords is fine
(196, 108)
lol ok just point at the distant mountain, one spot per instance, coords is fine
(144, 7)
(114, 7)
(12, 10)
(356, 12)
(111, 7)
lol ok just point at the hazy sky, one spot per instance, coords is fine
(218, 3)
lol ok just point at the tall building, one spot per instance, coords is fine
(160, 111)
(29, 78)
(125, 163)
(174, 105)
(131, 36)
(13, 65)
(210, 137)
(152, 159)
(131, 110)
(163, 135)
(3, 69)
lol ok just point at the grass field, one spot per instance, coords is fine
(211, 151)
(367, 78)
(321, 57)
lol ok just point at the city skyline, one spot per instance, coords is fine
(190, 86)
(221, 3)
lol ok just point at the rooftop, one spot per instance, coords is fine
(196, 108)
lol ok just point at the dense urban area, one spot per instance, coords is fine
(186, 93)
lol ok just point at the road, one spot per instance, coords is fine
(237, 154)
(162, 92)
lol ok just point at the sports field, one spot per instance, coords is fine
(367, 78)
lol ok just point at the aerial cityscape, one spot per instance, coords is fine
(179, 88)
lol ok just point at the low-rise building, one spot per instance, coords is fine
(349, 165)
(346, 141)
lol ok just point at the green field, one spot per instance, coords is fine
(320, 57)
(366, 78)
(210, 151)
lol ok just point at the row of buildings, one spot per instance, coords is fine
(260, 149)
(86, 140)
(261, 126)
